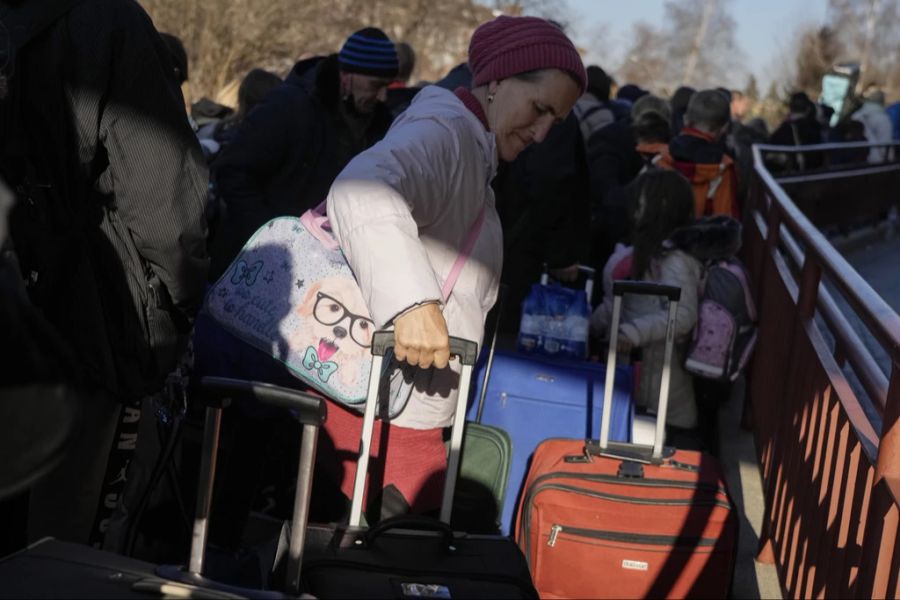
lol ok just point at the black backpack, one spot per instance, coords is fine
(35, 141)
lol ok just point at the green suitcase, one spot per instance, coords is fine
(486, 457)
(483, 476)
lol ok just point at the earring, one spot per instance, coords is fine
(490, 98)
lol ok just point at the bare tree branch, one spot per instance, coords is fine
(226, 39)
(691, 65)
(687, 51)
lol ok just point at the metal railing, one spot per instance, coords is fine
(829, 448)
(823, 194)
(827, 158)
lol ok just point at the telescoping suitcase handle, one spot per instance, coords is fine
(498, 312)
(311, 411)
(382, 341)
(637, 452)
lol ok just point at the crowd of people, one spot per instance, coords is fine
(129, 206)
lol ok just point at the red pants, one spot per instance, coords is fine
(416, 459)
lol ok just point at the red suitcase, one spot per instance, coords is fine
(600, 519)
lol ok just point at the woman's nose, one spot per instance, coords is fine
(542, 128)
(340, 332)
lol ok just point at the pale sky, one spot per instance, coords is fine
(765, 30)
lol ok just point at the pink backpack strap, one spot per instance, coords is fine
(316, 223)
(625, 267)
(463, 256)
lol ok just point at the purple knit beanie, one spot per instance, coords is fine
(508, 46)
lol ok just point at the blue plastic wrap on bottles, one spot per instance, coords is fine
(531, 327)
(555, 321)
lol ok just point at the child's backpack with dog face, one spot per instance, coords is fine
(725, 333)
(291, 294)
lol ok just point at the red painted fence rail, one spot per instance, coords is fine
(830, 468)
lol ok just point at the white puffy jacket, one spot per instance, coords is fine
(401, 212)
(643, 322)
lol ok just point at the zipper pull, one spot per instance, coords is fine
(674, 464)
(554, 533)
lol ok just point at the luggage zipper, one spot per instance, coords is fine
(631, 538)
(627, 499)
(659, 483)
(360, 565)
(554, 533)
(535, 489)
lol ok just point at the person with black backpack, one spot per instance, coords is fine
(108, 226)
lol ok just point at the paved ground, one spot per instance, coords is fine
(877, 262)
(751, 579)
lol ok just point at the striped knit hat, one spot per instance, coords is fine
(369, 52)
(508, 46)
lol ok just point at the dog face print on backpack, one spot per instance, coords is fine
(338, 329)
(296, 299)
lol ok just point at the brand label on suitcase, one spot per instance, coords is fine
(424, 590)
(634, 565)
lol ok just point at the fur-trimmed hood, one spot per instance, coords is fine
(708, 238)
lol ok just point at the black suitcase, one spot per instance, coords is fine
(413, 556)
(55, 569)
(51, 568)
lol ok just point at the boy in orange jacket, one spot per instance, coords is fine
(698, 154)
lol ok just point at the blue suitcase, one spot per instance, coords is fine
(534, 398)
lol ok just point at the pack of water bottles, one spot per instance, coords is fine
(556, 319)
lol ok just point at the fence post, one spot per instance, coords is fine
(880, 537)
(810, 276)
(888, 464)
(766, 552)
